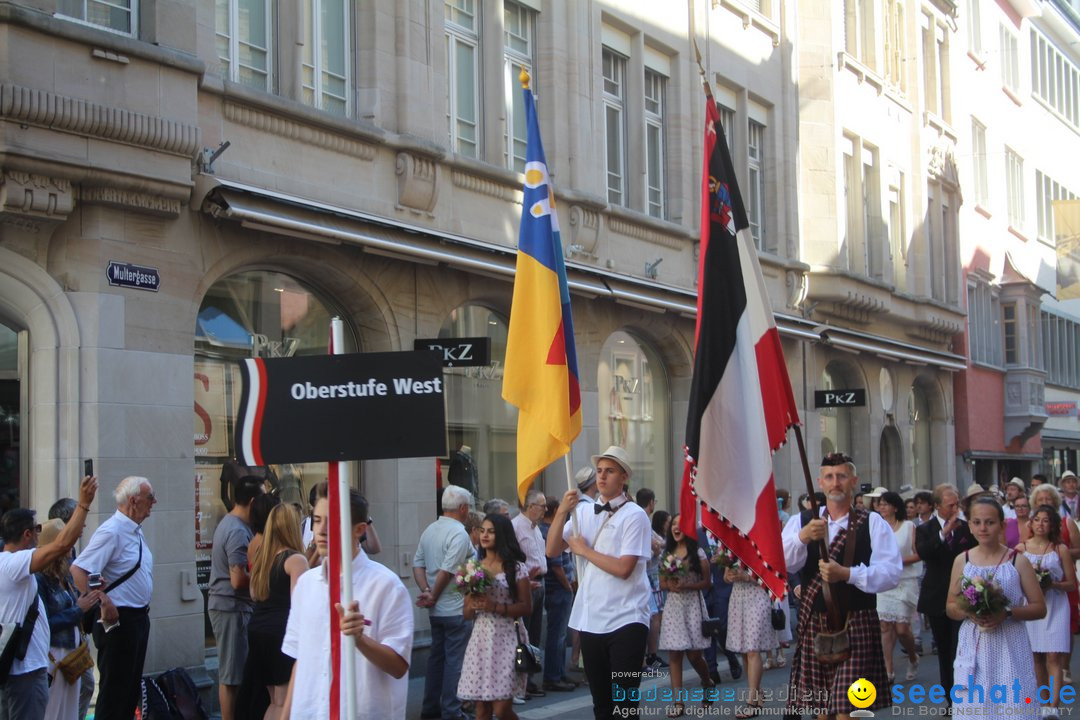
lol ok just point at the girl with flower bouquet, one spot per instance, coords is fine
(993, 590)
(1056, 574)
(497, 594)
(684, 574)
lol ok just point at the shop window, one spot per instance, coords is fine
(890, 451)
(836, 422)
(919, 417)
(12, 411)
(633, 397)
(479, 422)
(251, 314)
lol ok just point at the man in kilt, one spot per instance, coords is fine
(815, 686)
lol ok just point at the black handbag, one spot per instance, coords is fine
(17, 639)
(779, 618)
(525, 656)
(710, 627)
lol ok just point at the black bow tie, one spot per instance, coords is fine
(601, 508)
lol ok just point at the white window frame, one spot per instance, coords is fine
(1055, 80)
(655, 177)
(757, 134)
(1010, 59)
(897, 226)
(934, 46)
(1048, 190)
(514, 61)
(320, 96)
(1014, 188)
(1010, 330)
(859, 31)
(613, 70)
(83, 13)
(461, 35)
(984, 319)
(895, 44)
(233, 41)
(979, 163)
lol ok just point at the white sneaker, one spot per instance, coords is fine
(912, 670)
(519, 700)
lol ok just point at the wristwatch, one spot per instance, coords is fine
(1008, 612)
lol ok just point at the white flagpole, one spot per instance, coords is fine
(348, 648)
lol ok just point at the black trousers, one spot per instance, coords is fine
(121, 654)
(945, 632)
(613, 663)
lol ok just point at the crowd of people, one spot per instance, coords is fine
(596, 574)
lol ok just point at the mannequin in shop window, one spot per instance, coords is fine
(463, 469)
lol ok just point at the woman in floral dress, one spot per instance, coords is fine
(487, 671)
(1050, 636)
(994, 649)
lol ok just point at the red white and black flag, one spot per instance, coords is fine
(741, 404)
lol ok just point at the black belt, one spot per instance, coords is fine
(133, 610)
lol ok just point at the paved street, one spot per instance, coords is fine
(576, 705)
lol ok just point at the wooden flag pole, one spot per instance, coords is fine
(340, 472)
(833, 610)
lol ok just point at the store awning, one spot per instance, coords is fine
(281, 214)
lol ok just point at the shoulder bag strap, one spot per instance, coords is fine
(126, 576)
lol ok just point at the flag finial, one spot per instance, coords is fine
(524, 78)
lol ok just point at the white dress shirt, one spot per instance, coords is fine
(605, 603)
(532, 543)
(386, 603)
(883, 572)
(112, 551)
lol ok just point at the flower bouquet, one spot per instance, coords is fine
(471, 578)
(981, 596)
(1043, 576)
(672, 568)
(724, 558)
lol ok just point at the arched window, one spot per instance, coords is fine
(479, 422)
(633, 397)
(836, 422)
(891, 461)
(249, 314)
(13, 448)
(919, 417)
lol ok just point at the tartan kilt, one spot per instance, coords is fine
(810, 679)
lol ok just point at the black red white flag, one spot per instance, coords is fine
(741, 404)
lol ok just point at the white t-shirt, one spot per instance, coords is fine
(383, 600)
(605, 603)
(18, 588)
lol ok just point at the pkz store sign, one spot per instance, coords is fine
(839, 398)
(458, 352)
(136, 277)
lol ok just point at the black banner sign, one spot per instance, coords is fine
(839, 398)
(133, 276)
(362, 406)
(458, 352)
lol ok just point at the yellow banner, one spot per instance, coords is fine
(1067, 236)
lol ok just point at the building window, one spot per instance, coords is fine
(1009, 333)
(476, 414)
(838, 424)
(243, 41)
(518, 43)
(863, 234)
(873, 236)
(462, 77)
(922, 474)
(614, 95)
(755, 195)
(655, 157)
(1055, 79)
(935, 57)
(325, 56)
(859, 31)
(1061, 350)
(117, 15)
(727, 121)
(1047, 191)
(1014, 188)
(984, 313)
(895, 44)
(978, 150)
(14, 428)
(1010, 61)
(974, 27)
(251, 314)
(633, 405)
(898, 229)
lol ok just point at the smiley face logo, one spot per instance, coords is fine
(862, 693)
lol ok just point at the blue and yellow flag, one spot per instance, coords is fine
(541, 374)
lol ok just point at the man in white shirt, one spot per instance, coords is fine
(119, 553)
(24, 693)
(611, 609)
(1013, 490)
(378, 629)
(527, 529)
(1070, 499)
(875, 568)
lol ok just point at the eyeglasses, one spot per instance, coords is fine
(537, 504)
(36, 528)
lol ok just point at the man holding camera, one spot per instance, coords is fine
(24, 687)
(118, 553)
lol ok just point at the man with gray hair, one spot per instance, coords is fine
(497, 506)
(444, 545)
(118, 553)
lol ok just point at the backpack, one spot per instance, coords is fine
(172, 695)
